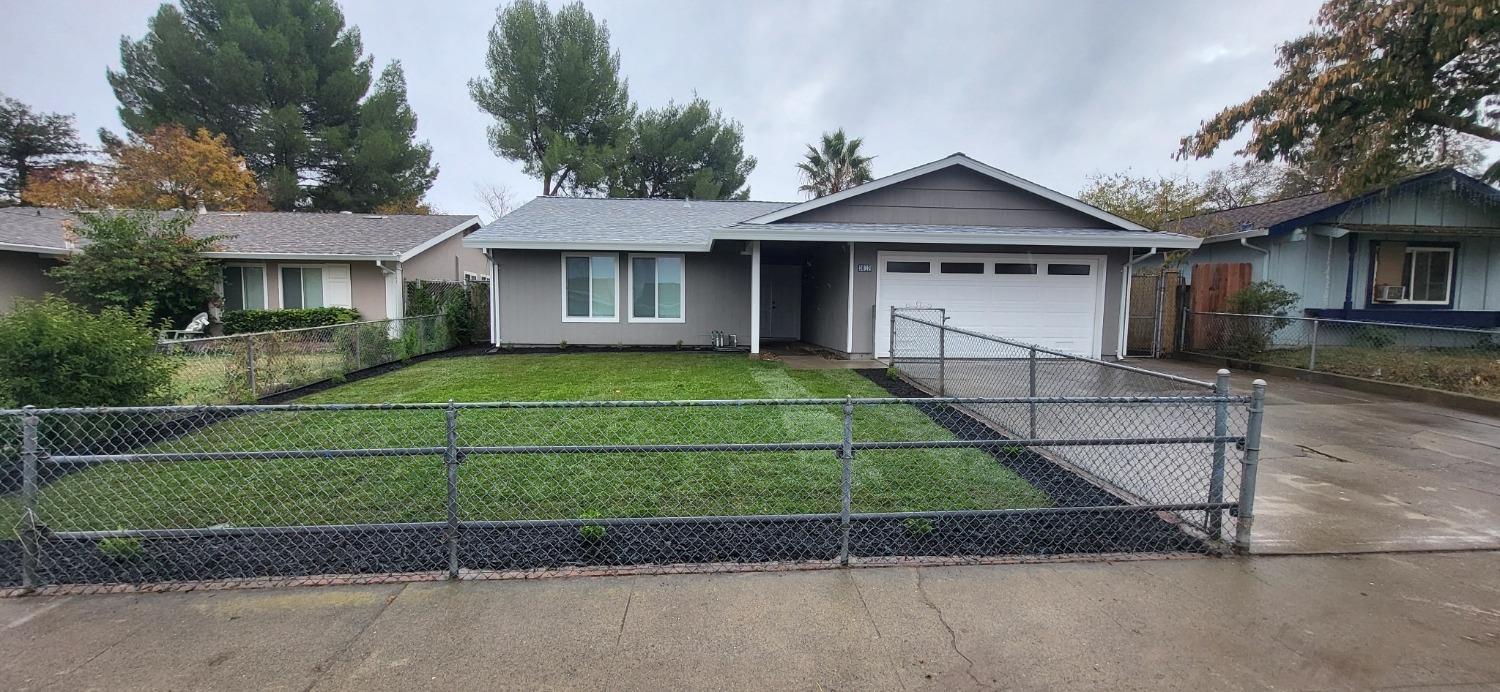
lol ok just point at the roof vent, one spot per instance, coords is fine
(231, 213)
(687, 202)
(346, 212)
(376, 217)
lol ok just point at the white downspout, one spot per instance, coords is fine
(1129, 270)
(754, 297)
(494, 298)
(1265, 264)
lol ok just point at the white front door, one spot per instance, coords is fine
(1054, 301)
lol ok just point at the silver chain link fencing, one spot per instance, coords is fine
(1466, 361)
(243, 368)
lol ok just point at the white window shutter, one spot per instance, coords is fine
(337, 292)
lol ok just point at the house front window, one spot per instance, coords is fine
(244, 287)
(301, 287)
(656, 288)
(590, 288)
(1408, 274)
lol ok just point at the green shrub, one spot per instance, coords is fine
(1372, 336)
(1249, 337)
(121, 548)
(918, 526)
(244, 321)
(592, 532)
(54, 353)
(1262, 298)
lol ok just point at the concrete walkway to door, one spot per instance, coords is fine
(1343, 471)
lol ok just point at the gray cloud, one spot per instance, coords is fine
(1049, 91)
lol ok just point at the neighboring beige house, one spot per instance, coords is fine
(274, 260)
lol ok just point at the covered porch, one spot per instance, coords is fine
(801, 296)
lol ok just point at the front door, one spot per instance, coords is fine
(781, 302)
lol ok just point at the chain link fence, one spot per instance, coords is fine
(1466, 361)
(1200, 485)
(287, 493)
(248, 367)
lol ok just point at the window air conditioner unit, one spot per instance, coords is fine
(1389, 294)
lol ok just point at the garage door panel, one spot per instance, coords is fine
(1056, 311)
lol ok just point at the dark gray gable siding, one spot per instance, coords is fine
(954, 196)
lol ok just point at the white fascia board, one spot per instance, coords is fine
(1127, 239)
(954, 160)
(1227, 237)
(599, 246)
(35, 249)
(430, 242)
(295, 256)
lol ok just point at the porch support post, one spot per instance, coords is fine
(754, 297)
(1349, 276)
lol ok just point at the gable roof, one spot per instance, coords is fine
(956, 159)
(592, 223)
(268, 235)
(1282, 216)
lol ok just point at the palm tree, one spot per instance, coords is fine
(835, 165)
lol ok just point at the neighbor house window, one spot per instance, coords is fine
(1413, 274)
(590, 289)
(302, 287)
(656, 288)
(244, 287)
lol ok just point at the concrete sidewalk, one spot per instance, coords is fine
(1304, 622)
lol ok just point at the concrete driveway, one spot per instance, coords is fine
(1344, 471)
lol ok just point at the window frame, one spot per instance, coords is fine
(1452, 254)
(563, 270)
(265, 285)
(281, 285)
(630, 289)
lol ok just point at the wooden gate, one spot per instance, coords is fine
(1152, 326)
(1212, 286)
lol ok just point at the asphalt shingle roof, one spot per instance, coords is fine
(265, 233)
(1252, 217)
(656, 222)
(906, 229)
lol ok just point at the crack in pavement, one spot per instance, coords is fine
(870, 616)
(324, 667)
(620, 635)
(952, 634)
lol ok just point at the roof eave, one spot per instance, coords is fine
(585, 247)
(1125, 239)
(35, 249)
(1223, 237)
(296, 256)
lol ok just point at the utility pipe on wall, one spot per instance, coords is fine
(1265, 264)
(1129, 270)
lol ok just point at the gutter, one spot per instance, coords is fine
(1265, 265)
(1129, 270)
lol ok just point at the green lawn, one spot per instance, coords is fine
(315, 491)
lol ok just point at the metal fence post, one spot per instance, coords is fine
(1031, 392)
(451, 461)
(354, 347)
(29, 487)
(942, 358)
(892, 336)
(250, 366)
(1245, 517)
(1221, 429)
(1312, 354)
(846, 483)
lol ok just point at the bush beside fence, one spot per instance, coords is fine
(1466, 361)
(247, 367)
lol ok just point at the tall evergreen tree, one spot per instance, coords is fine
(380, 166)
(283, 79)
(683, 151)
(554, 87)
(29, 139)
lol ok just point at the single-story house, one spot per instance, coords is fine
(274, 260)
(1001, 254)
(1424, 250)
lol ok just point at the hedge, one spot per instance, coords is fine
(242, 321)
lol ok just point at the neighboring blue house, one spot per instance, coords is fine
(1425, 250)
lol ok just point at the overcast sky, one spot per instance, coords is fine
(1049, 91)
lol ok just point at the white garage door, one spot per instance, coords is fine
(1054, 301)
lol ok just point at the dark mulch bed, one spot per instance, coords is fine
(375, 551)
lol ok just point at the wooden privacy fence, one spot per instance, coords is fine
(1211, 287)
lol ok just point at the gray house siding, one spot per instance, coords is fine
(953, 196)
(446, 261)
(23, 275)
(864, 285)
(716, 297)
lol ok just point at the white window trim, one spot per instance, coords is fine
(563, 270)
(265, 283)
(1408, 279)
(281, 285)
(630, 283)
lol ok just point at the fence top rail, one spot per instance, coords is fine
(1396, 325)
(1059, 354)
(201, 339)
(692, 403)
